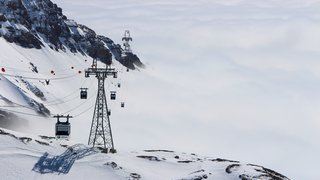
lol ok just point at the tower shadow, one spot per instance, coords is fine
(64, 162)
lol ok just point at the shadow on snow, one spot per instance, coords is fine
(62, 163)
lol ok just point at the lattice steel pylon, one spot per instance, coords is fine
(126, 38)
(100, 133)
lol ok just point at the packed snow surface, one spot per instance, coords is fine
(43, 157)
(236, 79)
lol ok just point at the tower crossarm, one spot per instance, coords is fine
(100, 72)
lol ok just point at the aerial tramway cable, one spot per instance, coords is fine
(13, 111)
(55, 102)
(33, 78)
(50, 103)
(84, 111)
(79, 105)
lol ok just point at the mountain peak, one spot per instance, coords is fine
(40, 23)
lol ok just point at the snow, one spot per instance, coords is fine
(71, 23)
(3, 28)
(25, 155)
(80, 32)
(236, 79)
(17, 60)
(56, 159)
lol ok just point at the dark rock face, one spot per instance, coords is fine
(2, 18)
(151, 158)
(131, 61)
(26, 39)
(15, 22)
(31, 23)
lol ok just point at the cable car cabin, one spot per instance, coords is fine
(62, 129)
(83, 93)
(122, 104)
(113, 95)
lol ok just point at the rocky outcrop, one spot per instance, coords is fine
(131, 61)
(37, 23)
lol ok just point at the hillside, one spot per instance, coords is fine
(40, 23)
(42, 62)
(24, 157)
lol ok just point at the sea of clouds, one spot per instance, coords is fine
(237, 79)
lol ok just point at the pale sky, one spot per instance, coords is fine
(234, 79)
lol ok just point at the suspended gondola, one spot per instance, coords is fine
(62, 129)
(83, 93)
(113, 95)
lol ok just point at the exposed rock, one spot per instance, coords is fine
(22, 139)
(159, 151)
(25, 39)
(34, 89)
(2, 18)
(185, 161)
(34, 68)
(224, 160)
(131, 61)
(42, 143)
(46, 137)
(39, 107)
(230, 167)
(268, 173)
(25, 139)
(151, 158)
(113, 165)
(31, 23)
(135, 176)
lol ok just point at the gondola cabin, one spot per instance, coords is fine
(113, 95)
(83, 93)
(62, 129)
(122, 104)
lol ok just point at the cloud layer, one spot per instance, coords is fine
(237, 79)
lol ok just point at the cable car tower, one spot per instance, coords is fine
(100, 133)
(126, 38)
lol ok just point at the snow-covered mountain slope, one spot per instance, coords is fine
(40, 81)
(33, 157)
(40, 23)
(25, 93)
(42, 157)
